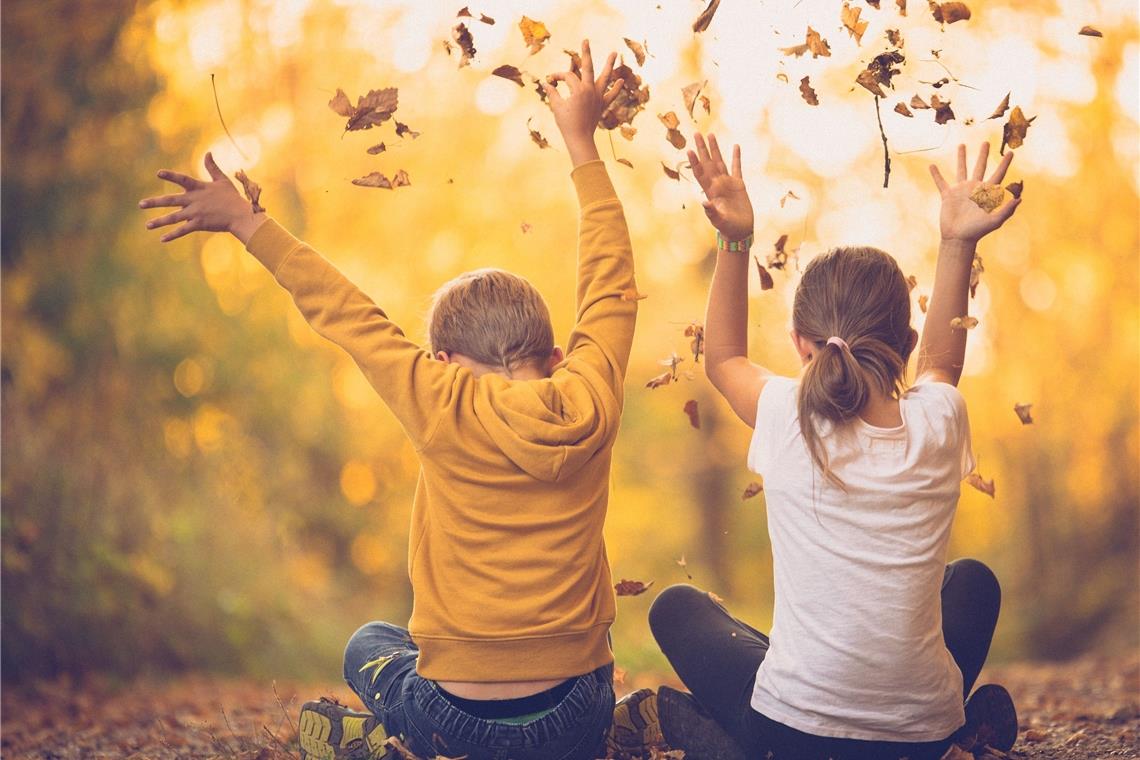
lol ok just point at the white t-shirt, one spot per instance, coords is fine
(856, 643)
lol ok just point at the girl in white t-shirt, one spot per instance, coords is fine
(875, 641)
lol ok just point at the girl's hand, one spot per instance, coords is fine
(727, 205)
(214, 206)
(577, 113)
(961, 219)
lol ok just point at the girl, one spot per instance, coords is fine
(875, 642)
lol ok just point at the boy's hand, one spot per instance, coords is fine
(727, 205)
(962, 220)
(578, 113)
(214, 206)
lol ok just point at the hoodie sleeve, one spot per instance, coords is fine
(603, 332)
(413, 384)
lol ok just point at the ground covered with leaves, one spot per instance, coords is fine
(1085, 709)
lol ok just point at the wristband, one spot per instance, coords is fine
(735, 246)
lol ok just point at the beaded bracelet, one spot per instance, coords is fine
(736, 246)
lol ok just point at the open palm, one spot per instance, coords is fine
(961, 218)
(726, 199)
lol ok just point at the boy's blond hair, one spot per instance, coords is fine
(494, 317)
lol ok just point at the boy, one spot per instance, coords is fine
(507, 652)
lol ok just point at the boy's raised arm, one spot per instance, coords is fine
(403, 373)
(962, 224)
(603, 331)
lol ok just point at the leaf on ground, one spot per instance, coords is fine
(766, 281)
(784, 199)
(628, 102)
(923, 300)
(373, 179)
(377, 149)
(251, 189)
(942, 111)
(752, 489)
(696, 331)
(1015, 188)
(672, 134)
(638, 49)
(948, 13)
(894, 36)
(631, 588)
(977, 481)
(703, 20)
(808, 93)
(813, 44)
(403, 129)
(850, 17)
(631, 294)
(693, 412)
(536, 136)
(535, 34)
(988, 197)
(462, 36)
(663, 379)
(963, 323)
(879, 72)
(690, 93)
(900, 107)
(371, 110)
(1024, 413)
(1002, 107)
(1089, 31)
(509, 72)
(1013, 131)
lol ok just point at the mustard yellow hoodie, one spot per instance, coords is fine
(507, 563)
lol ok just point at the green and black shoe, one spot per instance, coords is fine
(635, 727)
(328, 731)
(991, 720)
(687, 727)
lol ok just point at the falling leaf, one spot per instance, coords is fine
(1003, 106)
(637, 48)
(673, 135)
(693, 412)
(672, 362)
(486, 19)
(535, 34)
(670, 172)
(1089, 31)
(703, 20)
(1013, 131)
(696, 331)
(948, 13)
(373, 179)
(575, 62)
(766, 281)
(462, 36)
(976, 269)
(911, 283)
(850, 18)
(940, 83)
(619, 676)
(1015, 188)
(525, 227)
(628, 102)
(1023, 413)
(684, 566)
(464, 12)
(894, 36)
(902, 7)
(980, 483)
(900, 107)
(509, 72)
(918, 103)
(923, 300)
(778, 259)
(251, 189)
(628, 132)
(631, 588)
(625, 162)
(988, 197)
(706, 104)
(942, 110)
(782, 77)
(690, 93)
(401, 179)
(813, 44)
(631, 294)
(403, 129)
(879, 72)
(784, 199)
(808, 93)
(873, 3)
(963, 323)
(752, 489)
(371, 110)
(663, 379)
(376, 149)
(536, 136)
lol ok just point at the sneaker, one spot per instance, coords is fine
(991, 720)
(328, 731)
(635, 727)
(687, 727)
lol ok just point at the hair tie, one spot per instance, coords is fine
(835, 340)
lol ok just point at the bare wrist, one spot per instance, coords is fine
(958, 246)
(246, 224)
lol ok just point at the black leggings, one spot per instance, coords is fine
(716, 656)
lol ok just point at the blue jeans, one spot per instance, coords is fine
(380, 666)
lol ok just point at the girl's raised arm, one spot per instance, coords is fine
(962, 224)
(726, 321)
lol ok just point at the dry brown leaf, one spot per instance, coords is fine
(923, 300)
(963, 323)
(625, 162)
(703, 20)
(251, 189)
(706, 104)
(403, 129)
(638, 49)
(631, 294)
(976, 269)
(486, 19)
(985, 486)
(373, 179)
(631, 588)
(900, 107)
(669, 119)
(371, 110)
(911, 283)
(462, 36)
(1002, 107)
(813, 44)
(902, 7)
(696, 331)
(918, 103)
(808, 93)
(672, 134)
(509, 72)
(879, 72)
(942, 111)
(690, 92)
(525, 227)
(894, 36)
(778, 259)
(850, 18)
(535, 34)
(377, 149)
(784, 199)
(628, 132)
(536, 136)
(694, 413)
(670, 172)
(663, 379)
(988, 197)
(1013, 131)
(751, 490)
(782, 77)
(766, 281)
(1015, 188)
(619, 675)
(1035, 735)
(629, 101)
(401, 179)
(1089, 31)
(948, 13)
(1024, 413)
(464, 12)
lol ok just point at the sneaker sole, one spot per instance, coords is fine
(689, 728)
(992, 718)
(325, 737)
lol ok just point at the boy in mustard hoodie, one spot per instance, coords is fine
(507, 652)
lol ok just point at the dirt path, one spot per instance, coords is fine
(1081, 710)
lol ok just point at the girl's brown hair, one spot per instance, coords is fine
(494, 317)
(859, 295)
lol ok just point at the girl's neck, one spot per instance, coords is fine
(881, 411)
